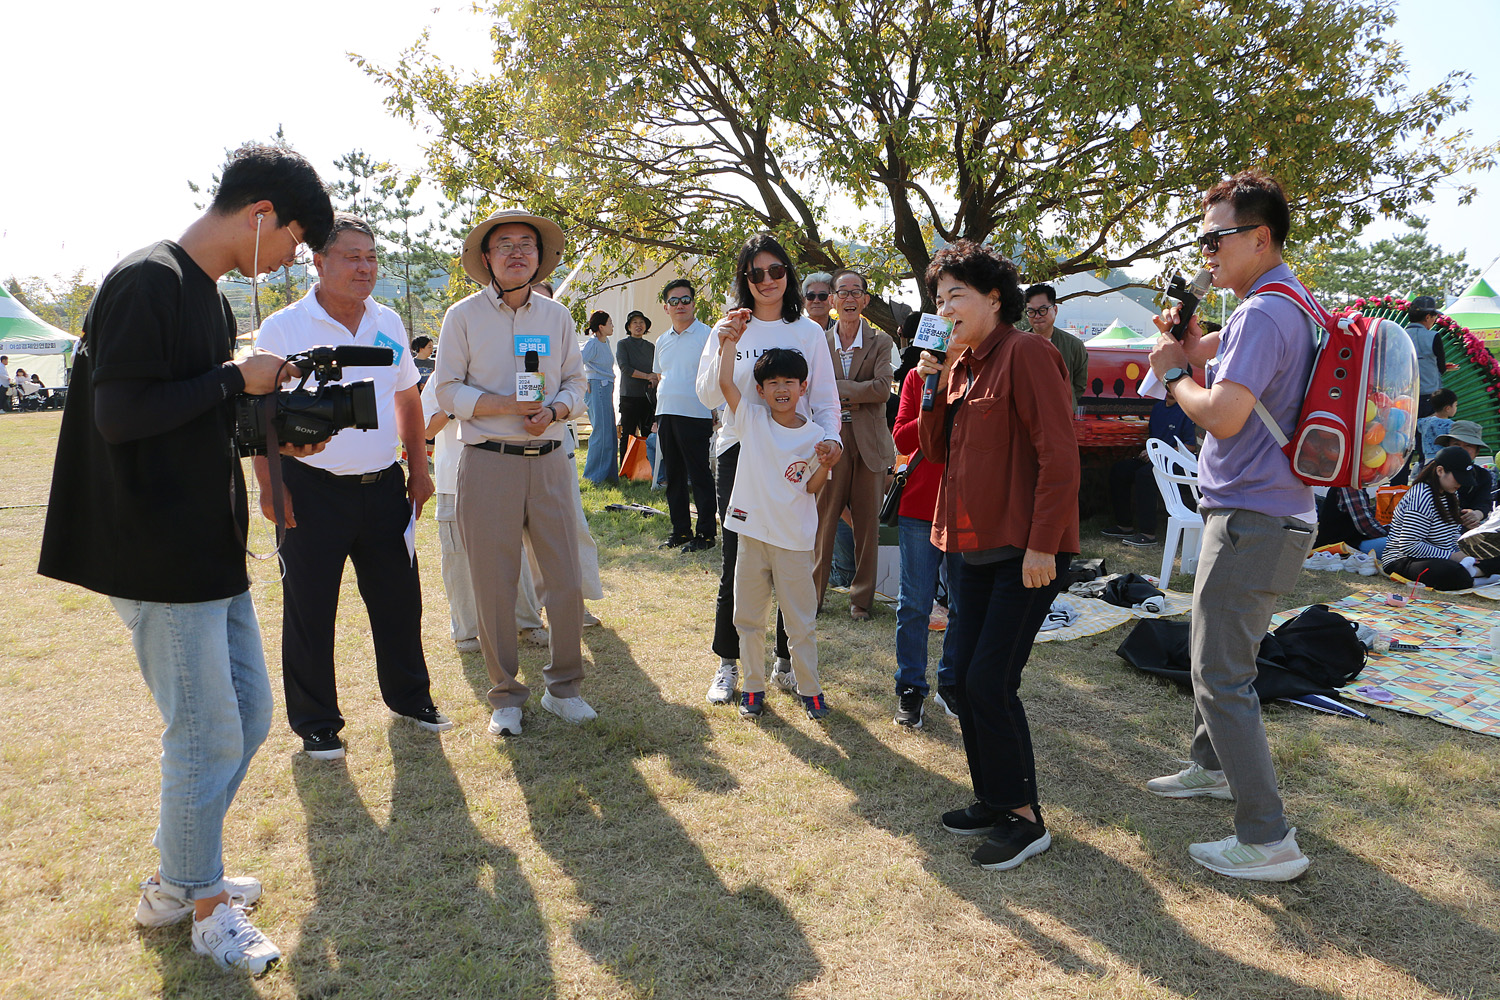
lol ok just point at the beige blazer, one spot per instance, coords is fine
(864, 393)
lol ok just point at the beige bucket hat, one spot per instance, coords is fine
(550, 232)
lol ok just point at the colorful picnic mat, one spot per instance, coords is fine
(1450, 680)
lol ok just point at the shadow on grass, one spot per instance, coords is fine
(1344, 904)
(658, 916)
(422, 907)
(188, 975)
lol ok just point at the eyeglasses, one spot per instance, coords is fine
(1039, 311)
(758, 274)
(679, 300)
(817, 296)
(1210, 241)
(849, 293)
(505, 248)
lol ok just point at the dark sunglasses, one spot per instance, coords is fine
(679, 300)
(817, 296)
(758, 274)
(1210, 241)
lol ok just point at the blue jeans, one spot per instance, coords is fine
(841, 571)
(204, 667)
(600, 466)
(920, 561)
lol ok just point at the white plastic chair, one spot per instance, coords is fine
(1184, 524)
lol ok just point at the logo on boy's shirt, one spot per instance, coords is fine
(796, 472)
(738, 515)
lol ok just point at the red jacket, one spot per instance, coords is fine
(1012, 475)
(919, 499)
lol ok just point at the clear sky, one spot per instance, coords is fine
(112, 107)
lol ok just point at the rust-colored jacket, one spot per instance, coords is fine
(1012, 473)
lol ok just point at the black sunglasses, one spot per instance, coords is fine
(816, 296)
(1210, 241)
(679, 300)
(758, 274)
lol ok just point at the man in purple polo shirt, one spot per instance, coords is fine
(1259, 520)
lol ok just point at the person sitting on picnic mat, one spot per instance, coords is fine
(1423, 542)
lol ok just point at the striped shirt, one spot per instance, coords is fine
(1418, 530)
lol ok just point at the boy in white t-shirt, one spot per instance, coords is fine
(775, 513)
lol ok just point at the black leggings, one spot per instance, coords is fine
(1439, 574)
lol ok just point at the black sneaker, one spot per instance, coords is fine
(947, 696)
(971, 822)
(816, 705)
(752, 704)
(698, 544)
(1014, 840)
(1117, 532)
(428, 718)
(908, 708)
(675, 542)
(323, 745)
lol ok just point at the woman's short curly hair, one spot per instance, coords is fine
(982, 269)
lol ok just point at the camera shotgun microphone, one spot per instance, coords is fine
(929, 387)
(1189, 296)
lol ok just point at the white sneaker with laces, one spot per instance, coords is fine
(505, 722)
(1325, 561)
(1362, 563)
(574, 709)
(1279, 862)
(1192, 781)
(721, 688)
(160, 906)
(783, 676)
(229, 938)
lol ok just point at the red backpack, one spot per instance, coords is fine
(1359, 416)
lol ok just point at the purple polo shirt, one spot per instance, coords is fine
(1267, 346)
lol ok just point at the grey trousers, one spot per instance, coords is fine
(1248, 560)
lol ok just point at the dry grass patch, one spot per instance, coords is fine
(672, 850)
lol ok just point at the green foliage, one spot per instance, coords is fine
(1407, 265)
(1073, 133)
(62, 300)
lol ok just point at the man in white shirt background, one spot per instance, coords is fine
(684, 425)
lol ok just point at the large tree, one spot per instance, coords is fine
(1071, 133)
(1406, 265)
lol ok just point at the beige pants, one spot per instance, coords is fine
(759, 566)
(501, 500)
(854, 485)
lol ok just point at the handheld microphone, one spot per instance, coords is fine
(929, 387)
(531, 384)
(532, 361)
(1189, 296)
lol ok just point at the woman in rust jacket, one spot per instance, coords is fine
(1001, 421)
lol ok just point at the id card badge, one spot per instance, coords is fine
(386, 340)
(932, 333)
(542, 344)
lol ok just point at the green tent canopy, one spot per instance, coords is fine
(1115, 335)
(1478, 308)
(38, 347)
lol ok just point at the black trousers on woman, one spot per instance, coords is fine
(998, 619)
(726, 637)
(1439, 574)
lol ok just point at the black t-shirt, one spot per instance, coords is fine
(159, 518)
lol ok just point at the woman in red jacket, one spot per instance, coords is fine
(1008, 502)
(920, 562)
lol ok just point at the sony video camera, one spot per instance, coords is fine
(307, 416)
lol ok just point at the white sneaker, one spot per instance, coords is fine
(467, 645)
(1323, 560)
(535, 636)
(1280, 862)
(590, 619)
(783, 676)
(1362, 563)
(1480, 582)
(505, 722)
(1191, 782)
(574, 709)
(229, 938)
(721, 688)
(160, 906)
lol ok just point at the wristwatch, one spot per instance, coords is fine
(1173, 374)
(553, 410)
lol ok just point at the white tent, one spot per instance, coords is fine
(38, 347)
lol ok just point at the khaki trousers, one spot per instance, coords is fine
(761, 565)
(851, 484)
(501, 500)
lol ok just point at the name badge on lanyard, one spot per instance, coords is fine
(541, 344)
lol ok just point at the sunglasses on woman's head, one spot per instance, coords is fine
(758, 274)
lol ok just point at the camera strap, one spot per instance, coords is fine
(278, 494)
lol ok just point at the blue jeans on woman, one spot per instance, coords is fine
(205, 669)
(920, 562)
(600, 465)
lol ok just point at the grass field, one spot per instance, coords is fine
(671, 850)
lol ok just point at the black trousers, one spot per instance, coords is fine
(339, 519)
(1439, 574)
(637, 414)
(726, 637)
(1132, 491)
(684, 444)
(998, 619)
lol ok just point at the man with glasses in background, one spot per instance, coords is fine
(1041, 313)
(1259, 519)
(684, 426)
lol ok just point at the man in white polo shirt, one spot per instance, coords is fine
(351, 501)
(684, 425)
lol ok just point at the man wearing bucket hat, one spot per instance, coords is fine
(1475, 501)
(495, 347)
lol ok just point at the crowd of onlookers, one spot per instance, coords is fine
(21, 392)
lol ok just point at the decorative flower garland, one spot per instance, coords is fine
(1476, 382)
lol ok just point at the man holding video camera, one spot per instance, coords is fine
(351, 502)
(139, 511)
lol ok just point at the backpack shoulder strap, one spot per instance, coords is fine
(1316, 314)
